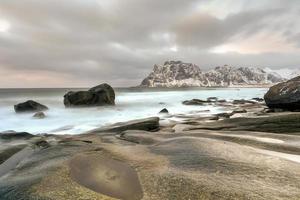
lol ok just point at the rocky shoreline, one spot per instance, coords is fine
(249, 152)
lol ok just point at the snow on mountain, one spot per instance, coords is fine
(180, 74)
(285, 73)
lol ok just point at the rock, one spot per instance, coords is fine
(239, 111)
(224, 115)
(212, 99)
(6, 135)
(147, 124)
(97, 96)
(284, 95)
(243, 101)
(29, 106)
(258, 99)
(194, 102)
(39, 115)
(164, 111)
(281, 124)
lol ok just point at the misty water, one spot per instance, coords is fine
(131, 103)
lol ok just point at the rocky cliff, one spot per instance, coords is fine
(180, 74)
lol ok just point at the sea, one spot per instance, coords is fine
(131, 103)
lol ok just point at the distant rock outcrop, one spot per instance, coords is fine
(97, 96)
(180, 74)
(284, 95)
(29, 106)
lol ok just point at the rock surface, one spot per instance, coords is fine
(29, 106)
(97, 96)
(180, 74)
(284, 95)
(147, 124)
(228, 162)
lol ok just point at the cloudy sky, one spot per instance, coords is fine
(75, 43)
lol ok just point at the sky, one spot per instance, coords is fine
(82, 43)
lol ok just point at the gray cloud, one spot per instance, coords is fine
(86, 42)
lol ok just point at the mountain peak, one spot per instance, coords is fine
(181, 74)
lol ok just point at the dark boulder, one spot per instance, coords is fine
(285, 95)
(164, 111)
(97, 96)
(29, 106)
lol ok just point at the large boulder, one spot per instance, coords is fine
(29, 106)
(285, 95)
(97, 96)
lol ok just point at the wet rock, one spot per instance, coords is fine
(212, 99)
(224, 115)
(194, 102)
(6, 135)
(97, 96)
(284, 95)
(29, 106)
(147, 124)
(243, 101)
(39, 115)
(240, 110)
(164, 111)
(258, 99)
(282, 124)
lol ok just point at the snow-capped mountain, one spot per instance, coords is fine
(284, 73)
(180, 74)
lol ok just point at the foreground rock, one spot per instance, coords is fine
(147, 124)
(29, 106)
(191, 163)
(284, 95)
(97, 96)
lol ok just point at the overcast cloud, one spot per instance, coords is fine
(78, 43)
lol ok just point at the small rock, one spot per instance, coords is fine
(239, 111)
(194, 102)
(29, 106)
(212, 99)
(258, 99)
(164, 111)
(243, 101)
(39, 115)
(224, 115)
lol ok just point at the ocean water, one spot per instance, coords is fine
(131, 103)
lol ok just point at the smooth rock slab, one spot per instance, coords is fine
(106, 176)
(147, 124)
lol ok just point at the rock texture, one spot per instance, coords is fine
(97, 96)
(284, 95)
(180, 74)
(146, 124)
(29, 106)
